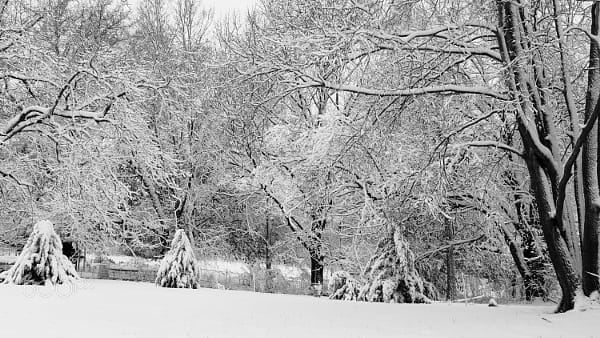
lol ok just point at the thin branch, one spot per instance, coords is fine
(493, 144)
(471, 123)
(448, 89)
(15, 179)
(448, 246)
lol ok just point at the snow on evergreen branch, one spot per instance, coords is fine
(178, 269)
(41, 262)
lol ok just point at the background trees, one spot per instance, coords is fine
(311, 131)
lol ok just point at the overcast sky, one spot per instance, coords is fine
(223, 7)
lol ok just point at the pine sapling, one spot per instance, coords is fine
(42, 261)
(178, 269)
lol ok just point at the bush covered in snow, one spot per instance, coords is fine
(42, 261)
(179, 269)
(343, 286)
(391, 277)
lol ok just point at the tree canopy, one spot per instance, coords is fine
(318, 132)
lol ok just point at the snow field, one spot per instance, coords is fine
(115, 309)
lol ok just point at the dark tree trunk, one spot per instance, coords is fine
(538, 133)
(450, 271)
(181, 218)
(315, 249)
(268, 258)
(561, 259)
(574, 240)
(533, 281)
(151, 188)
(516, 252)
(316, 271)
(527, 256)
(590, 168)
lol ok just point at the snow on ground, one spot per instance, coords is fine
(127, 260)
(115, 309)
(8, 259)
(288, 271)
(224, 266)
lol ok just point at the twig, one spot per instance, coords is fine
(450, 244)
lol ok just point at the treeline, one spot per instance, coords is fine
(317, 132)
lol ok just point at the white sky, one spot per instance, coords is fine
(224, 7)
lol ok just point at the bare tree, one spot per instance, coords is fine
(442, 49)
(192, 21)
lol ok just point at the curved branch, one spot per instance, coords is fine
(448, 89)
(493, 144)
(448, 246)
(14, 178)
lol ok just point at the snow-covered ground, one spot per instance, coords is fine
(114, 309)
(8, 259)
(224, 266)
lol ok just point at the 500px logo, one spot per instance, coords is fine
(61, 290)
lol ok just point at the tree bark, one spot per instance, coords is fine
(450, 271)
(591, 170)
(151, 189)
(531, 283)
(561, 259)
(316, 254)
(578, 189)
(316, 270)
(541, 153)
(268, 258)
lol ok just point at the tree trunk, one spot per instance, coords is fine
(509, 232)
(571, 214)
(151, 189)
(527, 255)
(316, 271)
(315, 249)
(590, 169)
(561, 259)
(450, 273)
(577, 186)
(542, 155)
(268, 258)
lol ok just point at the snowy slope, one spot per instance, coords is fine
(104, 308)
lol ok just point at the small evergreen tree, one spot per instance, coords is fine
(42, 261)
(178, 269)
(392, 275)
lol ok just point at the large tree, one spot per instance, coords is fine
(499, 53)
